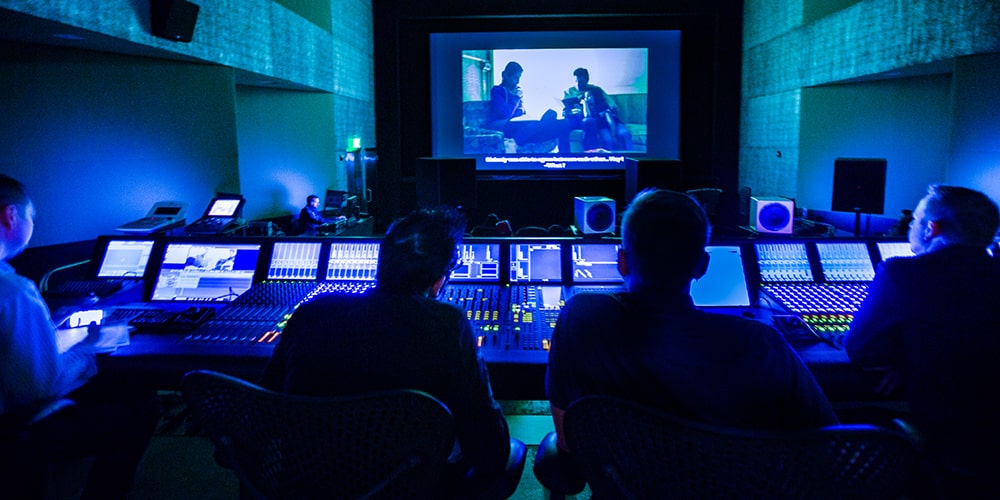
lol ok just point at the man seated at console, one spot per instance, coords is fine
(311, 218)
(51, 401)
(399, 336)
(651, 345)
(932, 322)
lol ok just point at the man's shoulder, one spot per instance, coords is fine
(12, 283)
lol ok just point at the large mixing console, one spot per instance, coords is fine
(789, 271)
(231, 297)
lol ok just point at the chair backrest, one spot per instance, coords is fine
(627, 450)
(392, 444)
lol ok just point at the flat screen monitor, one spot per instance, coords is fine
(206, 272)
(480, 263)
(638, 71)
(890, 249)
(595, 263)
(224, 207)
(724, 283)
(124, 258)
(334, 201)
(783, 263)
(845, 262)
(353, 261)
(294, 261)
(535, 263)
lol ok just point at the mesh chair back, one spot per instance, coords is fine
(627, 450)
(392, 444)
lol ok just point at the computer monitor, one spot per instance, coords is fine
(294, 261)
(724, 283)
(225, 207)
(845, 262)
(535, 263)
(206, 272)
(122, 257)
(353, 261)
(890, 249)
(480, 263)
(595, 263)
(333, 202)
(783, 263)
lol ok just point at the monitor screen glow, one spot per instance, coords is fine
(724, 283)
(480, 263)
(294, 261)
(224, 207)
(206, 272)
(125, 259)
(595, 263)
(535, 262)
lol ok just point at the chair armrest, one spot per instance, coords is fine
(911, 432)
(555, 469)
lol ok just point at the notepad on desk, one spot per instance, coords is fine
(112, 337)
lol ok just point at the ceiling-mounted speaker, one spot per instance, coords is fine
(173, 19)
(772, 215)
(594, 214)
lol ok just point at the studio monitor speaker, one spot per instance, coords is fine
(173, 19)
(594, 214)
(446, 181)
(772, 215)
(859, 185)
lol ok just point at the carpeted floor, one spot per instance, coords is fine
(179, 464)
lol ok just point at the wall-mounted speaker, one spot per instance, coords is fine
(173, 19)
(771, 214)
(594, 214)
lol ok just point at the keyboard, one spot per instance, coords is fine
(82, 288)
(212, 225)
(153, 319)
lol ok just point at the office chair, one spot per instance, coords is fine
(388, 444)
(627, 450)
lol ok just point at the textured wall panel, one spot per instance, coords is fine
(868, 38)
(257, 36)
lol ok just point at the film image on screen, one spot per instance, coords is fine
(206, 272)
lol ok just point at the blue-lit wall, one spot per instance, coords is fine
(261, 102)
(907, 121)
(819, 83)
(98, 138)
(287, 148)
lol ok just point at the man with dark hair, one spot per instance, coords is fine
(588, 107)
(46, 396)
(651, 345)
(311, 218)
(933, 320)
(398, 336)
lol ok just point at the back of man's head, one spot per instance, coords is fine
(13, 192)
(965, 216)
(419, 249)
(664, 234)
